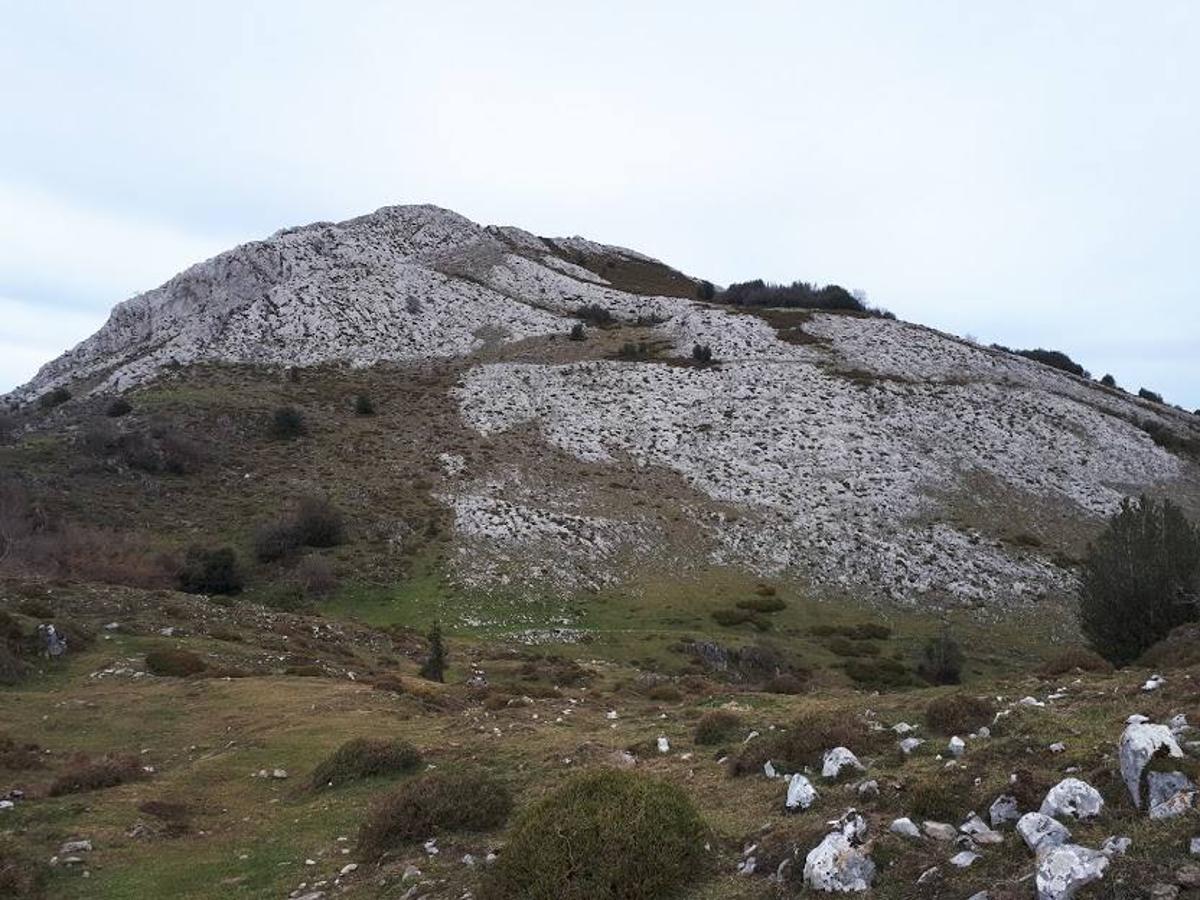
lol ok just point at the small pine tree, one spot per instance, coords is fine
(1108, 381)
(577, 332)
(1139, 579)
(287, 422)
(364, 405)
(434, 667)
(941, 660)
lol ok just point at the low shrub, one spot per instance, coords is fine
(315, 577)
(174, 816)
(942, 797)
(287, 423)
(664, 692)
(594, 314)
(15, 756)
(730, 617)
(1108, 381)
(22, 874)
(718, 726)
(210, 572)
(879, 674)
(174, 663)
(845, 647)
(1152, 396)
(13, 669)
(1179, 649)
(767, 603)
(785, 683)
(118, 407)
(959, 713)
(941, 660)
(365, 758)
(577, 332)
(860, 631)
(364, 405)
(803, 742)
(1054, 358)
(84, 774)
(274, 541)
(604, 834)
(392, 683)
(462, 800)
(56, 397)
(319, 523)
(702, 353)
(1071, 659)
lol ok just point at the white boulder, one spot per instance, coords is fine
(1171, 794)
(837, 759)
(837, 866)
(1040, 832)
(905, 827)
(1004, 809)
(800, 793)
(1063, 870)
(1074, 798)
(1139, 744)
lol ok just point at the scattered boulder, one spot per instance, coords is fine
(909, 744)
(1040, 832)
(963, 858)
(869, 790)
(1004, 809)
(1140, 743)
(940, 831)
(1074, 798)
(1116, 846)
(837, 759)
(1063, 870)
(1171, 794)
(957, 746)
(836, 866)
(905, 827)
(800, 793)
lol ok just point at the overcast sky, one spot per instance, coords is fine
(1026, 173)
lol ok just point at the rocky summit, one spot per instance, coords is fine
(850, 453)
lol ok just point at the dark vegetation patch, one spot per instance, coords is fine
(797, 295)
(316, 522)
(211, 571)
(862, 631)
(794, 682)
(804, 741)
(83, 773)
(1152, 396)
(365, 758)
(54, 397)
(175, 817)
(941, 660)
(174, 663)
(157, 449)
(879, 674)
(287, 423)
(959, 713)
(1074, 659)
(841, 646)
(1179, 649)
(1054, 358)
(731, 617)
(718, 726)
(943, 796)
(22, 875)
(604, 834)
(432, 804)
(118, 407)
(19, 756)
(753, 663)
(763, 604)
(1169, 439)
(364, 405)
(594, 314)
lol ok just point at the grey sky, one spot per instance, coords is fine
(1023, 172)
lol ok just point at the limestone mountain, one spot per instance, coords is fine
(850, 453)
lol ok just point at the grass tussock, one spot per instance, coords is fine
(365, 758)
(174, 663)
(431, 804)
(718, 726)
(85, 774)
(803, 742)
(19, 755)
(959, 713)
(1074, 659)
(604, 834)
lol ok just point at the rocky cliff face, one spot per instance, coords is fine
(858, 454)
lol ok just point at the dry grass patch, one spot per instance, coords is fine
(959, 713)
(85, 774)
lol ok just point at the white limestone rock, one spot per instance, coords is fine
(1073, 797)
(800, 793)
(1064, 869)
(1139, 744)
(1004, 809)
(1040, 832)
(837, 866)
(836, 760)
(905, 827)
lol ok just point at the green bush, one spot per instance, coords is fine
(1139, 579)
(419, 809)
(117, 408)
(287, 422)
(941, 660)
(276, 540)
(803, 742)
(434, 667)
(210, 572)
(959, 713)
(844, 647)
(53, 398)
(718, 726)
(365, 758)
(605, 835)
(879, 674)
(174, 663)
(861, 631)
(319, 523)
(785, 683)
(763, 604)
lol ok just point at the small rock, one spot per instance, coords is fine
(1030, 701)
(963, 859)
(836, 866)
(1040, 832)
(957, 746)
(1063, 870)
(1188, 876)
(909, 744)
(1194, 846)
(1058, 747)
(769, 770)
(1004, 809)
(1072, 797)
(903, 728)
(868, 790)
(664, 746)
(1162, 891)
(1171, 794)
(1115, 846)
(348, 868)
(6, 805)
(410, 872)
(905, 827)
(800, 793)
(837, 759)
(930, 874)
(75, 847)
(940, 831)
(1179, 724)
(279, 773)
(1153, 683)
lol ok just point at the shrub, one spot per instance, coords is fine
(763, 604)
(705, 290)
(797, 295)
(315, 577)
(702, 353)
(22, 874)
(210, 572)
(942, 797)
(1108, 381)
(319, 523)
(959, 713)
(605, 834)
(664, 692)
(434, 667)
(844, 647)
(1147, 394)
(594, 313)
(731, 617)
(1139, 579)
(941, 660)
(13, 668)
(1179, 649)
(1072, 659)
(577, 332)
(364, 405)
(803, 742)
(118, 407)
(365, 758)
(287, 422)
(879, 674)
(84, 774)
(16, 756)
(630, 350)
(860, 631)
(784, 683)
(56, 397)
(286, 597)
(1053, 358)
(276, 540)
(174, 663)
(718, 726)
(461, 800)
